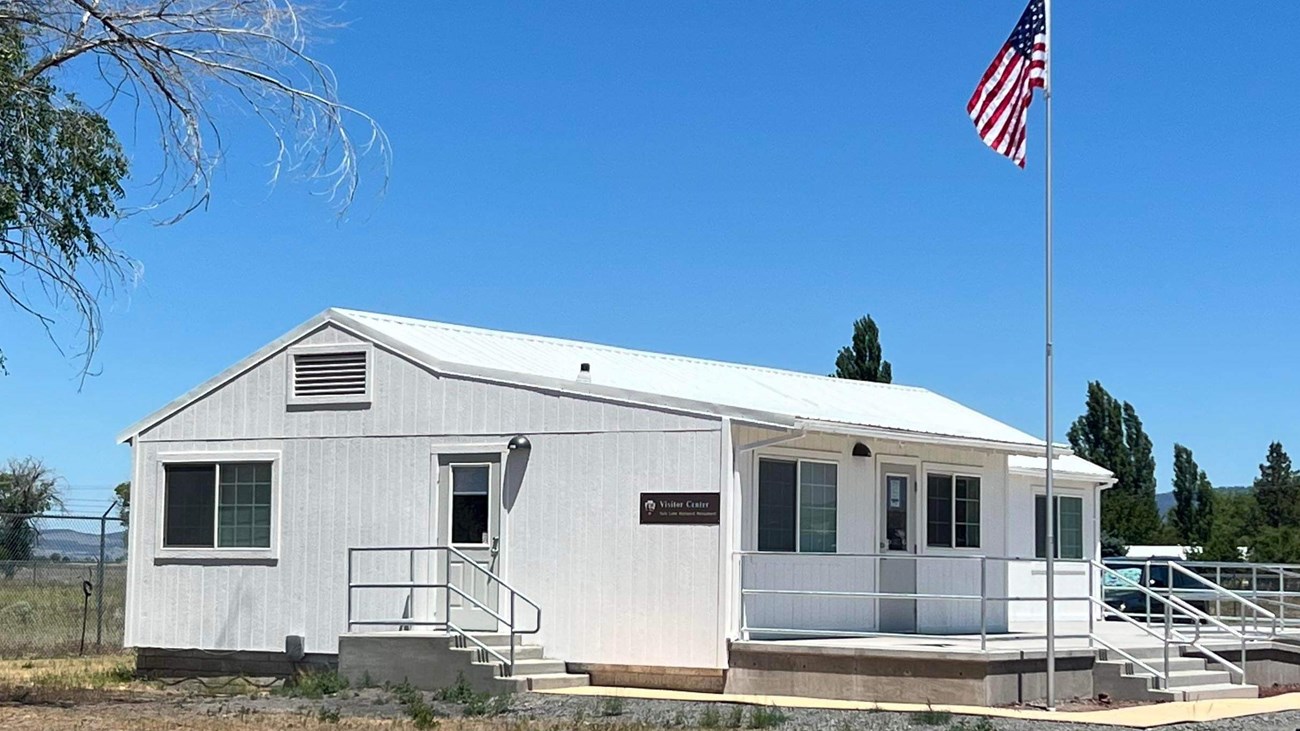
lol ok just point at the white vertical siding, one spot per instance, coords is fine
(613, 590)
(363, 477)
(1029, 578)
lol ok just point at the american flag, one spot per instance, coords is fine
(1000, 104)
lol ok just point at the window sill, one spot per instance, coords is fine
(216, 557)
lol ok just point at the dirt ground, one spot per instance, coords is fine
(100, 693)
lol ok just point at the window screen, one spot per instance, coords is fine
(188, 505)
(938, 511)
(469, 503)
(777, 491)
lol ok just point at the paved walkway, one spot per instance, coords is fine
(1149, 716)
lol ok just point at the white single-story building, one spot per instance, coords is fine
(651, 508)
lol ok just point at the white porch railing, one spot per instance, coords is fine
(840, 595)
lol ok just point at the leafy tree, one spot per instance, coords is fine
(1112, 547)
(1235, 520)
(123, 494)
(1277, 489)
(177, 72)
(26, 486)
(1276, 544)
(862, 359)
(1193, 513)
(1110, 434)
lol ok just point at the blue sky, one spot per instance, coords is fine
(740, 181)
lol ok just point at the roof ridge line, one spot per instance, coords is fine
(571, 343)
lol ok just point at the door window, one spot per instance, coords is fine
(469, 503)
(896, 512)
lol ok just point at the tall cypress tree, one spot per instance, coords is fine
(1193, 499)
(1110, 434)
(862, 359)
(1277, 490)
(1145, 517)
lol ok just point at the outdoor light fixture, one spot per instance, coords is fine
(861, 450)
(519, 442)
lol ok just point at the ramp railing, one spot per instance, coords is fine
(436, 619)
(785, 595)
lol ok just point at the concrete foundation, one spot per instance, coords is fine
(854, 673)
(700, 680)
(426, 662)
(1268, 663)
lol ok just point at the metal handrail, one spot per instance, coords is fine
(462, 636)
(1226, 592)
(1175, 607)
(1170, 600)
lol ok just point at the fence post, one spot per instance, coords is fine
(99, 577)
(99, 587)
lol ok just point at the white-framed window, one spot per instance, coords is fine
(797, 505)
(329, 375)
(1069, 526)
(952, 510)
(218, 504)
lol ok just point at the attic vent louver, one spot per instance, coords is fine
(329, 374)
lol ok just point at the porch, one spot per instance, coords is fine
(972, 629)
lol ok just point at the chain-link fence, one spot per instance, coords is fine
(62, 584)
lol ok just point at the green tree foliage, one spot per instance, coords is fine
(1112, 547)
(1193, 513)
(123, 494)
(61, 172)
(862, 359)
(1277, 489)
(1110, 434)
(26, 486)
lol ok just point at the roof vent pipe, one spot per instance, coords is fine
(584, 373)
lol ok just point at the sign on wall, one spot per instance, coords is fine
(680, 508)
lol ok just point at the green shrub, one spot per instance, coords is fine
(315, 684)
(710, 718)
(459, 692)
(737, 717)
(611, 706)
(418, 709)
(766, 717)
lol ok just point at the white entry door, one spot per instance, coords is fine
(469, 519)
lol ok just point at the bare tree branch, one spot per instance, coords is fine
(178, 68)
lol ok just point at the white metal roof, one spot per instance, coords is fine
(1067, 465)
(748, 393)
(811, 401)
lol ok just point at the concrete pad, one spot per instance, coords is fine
(1159, 714)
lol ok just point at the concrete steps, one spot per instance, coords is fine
(430, 661)
(1189, 678)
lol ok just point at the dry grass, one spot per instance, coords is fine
(109, 671)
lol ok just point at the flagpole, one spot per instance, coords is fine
(1051, 502)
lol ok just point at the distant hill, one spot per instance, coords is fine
(78, 545)
(1165, 500)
